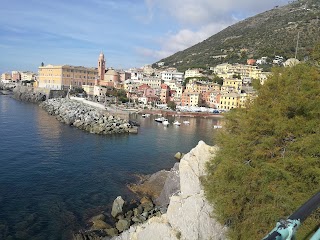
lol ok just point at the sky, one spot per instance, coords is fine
(130, 33)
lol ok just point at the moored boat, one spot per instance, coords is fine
(186, 122)
(177, 123)
(165, 122)
(160, 119)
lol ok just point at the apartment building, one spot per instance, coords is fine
(177, 87)
(15, 76)
(214, 101)
(6, 78)
(226, 70)
(28, 76)
(195, 72)
(165, 93)
(190, 98)
(63, 76)
(169, 75)
(234, 84)
(229, 101)
(153, 82)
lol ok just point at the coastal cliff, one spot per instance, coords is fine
(86, 117)
(189, 215)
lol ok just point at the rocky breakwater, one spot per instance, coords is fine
(189, 215)
(86, 117)
(28, 94)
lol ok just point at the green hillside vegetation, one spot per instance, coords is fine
(274, 32)
(268, 164)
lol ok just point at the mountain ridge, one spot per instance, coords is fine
(273, 32)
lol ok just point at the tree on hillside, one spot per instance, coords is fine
(268, 164)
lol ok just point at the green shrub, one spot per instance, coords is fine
(268, 164)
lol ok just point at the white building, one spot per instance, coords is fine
(168, 76)
(195, 72)
(136, 73)
(27, 76)
(262, 60)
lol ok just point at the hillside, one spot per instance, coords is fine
(274, 32)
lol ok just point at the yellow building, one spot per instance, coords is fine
(63, 76)
(229, 101)
(226, 70)
(236, 84)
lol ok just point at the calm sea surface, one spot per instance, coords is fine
(53, 177)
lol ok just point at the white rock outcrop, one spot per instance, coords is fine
(189, 214)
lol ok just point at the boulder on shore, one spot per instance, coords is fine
(189, 215)
(117, 206)
(178, 156)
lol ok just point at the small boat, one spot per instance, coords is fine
(165, 122)
(160, 119)
(217, 126)
(186, 122)
(177, 123)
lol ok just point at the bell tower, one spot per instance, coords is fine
(101, 66)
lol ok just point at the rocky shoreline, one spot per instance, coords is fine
(86, 117)
(180, 210)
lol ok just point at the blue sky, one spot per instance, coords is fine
(130, 33)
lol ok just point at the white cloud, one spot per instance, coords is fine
(172, 43)
(196, 12)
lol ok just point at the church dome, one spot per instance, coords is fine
(101, 55)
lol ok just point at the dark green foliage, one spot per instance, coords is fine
(119, 93)
(269, 159)
(218, 80)
(171, 105)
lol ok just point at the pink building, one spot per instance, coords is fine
(15, 76)
(165, 93)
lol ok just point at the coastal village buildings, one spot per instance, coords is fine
(152, 86)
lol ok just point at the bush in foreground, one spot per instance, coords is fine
(269, 159)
